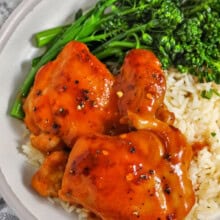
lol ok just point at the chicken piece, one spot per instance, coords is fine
(71, 97)
(142, 86)
(47, 180)
(142, 83)
(129, 176)
(46, 143)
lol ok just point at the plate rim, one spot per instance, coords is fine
(13, 201)
(18, 14)
(7, 29)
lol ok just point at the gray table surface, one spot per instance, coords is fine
(6, 7)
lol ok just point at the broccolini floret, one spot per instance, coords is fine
(199, 38)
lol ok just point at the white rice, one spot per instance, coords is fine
(198, 118)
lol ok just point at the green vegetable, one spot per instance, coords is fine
(182, 33)
(45, 37)
(199, 38)
(207, 94)
(213, 134)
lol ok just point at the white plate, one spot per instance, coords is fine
(16, 51)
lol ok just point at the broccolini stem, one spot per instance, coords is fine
(125, 44)
(110, 52)
(116, 48)
(16, 110)
(45, 37)
(123, 35)
(97, 37)
(192, 8)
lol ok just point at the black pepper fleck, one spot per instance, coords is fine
(163, 178)
(132, 149)
(85, 91)
(167, 156)
(86, 171)
(81, 105)
(39, 92)
(154, 75)
(62, 112)
(143, 177)
(72, 172)
(55, 126)
(151, 172)
(167, 189)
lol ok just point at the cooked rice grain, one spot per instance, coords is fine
(199, 119)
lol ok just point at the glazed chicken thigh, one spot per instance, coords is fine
(143, 85)
(129, 177)
(71, 96)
